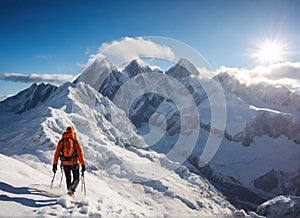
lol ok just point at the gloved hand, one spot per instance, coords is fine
(82, 170)
(54, 169)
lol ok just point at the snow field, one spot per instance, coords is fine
(27, 192)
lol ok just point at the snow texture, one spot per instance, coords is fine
(262, 128)
(124, 177)
(281, 206)
(257, 160)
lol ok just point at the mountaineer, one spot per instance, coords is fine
(70, 152)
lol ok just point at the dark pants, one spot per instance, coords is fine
(71, 186)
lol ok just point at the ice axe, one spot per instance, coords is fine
(52, 180)
(83, 183)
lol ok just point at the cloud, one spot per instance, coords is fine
(283, 71)
(282, 74)
(127, 49)
(87, 51)
(43, 56)
(56, 79)
(80, 65)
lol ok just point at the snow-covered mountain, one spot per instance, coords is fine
(281, 206)
(262, 94)
(257, 160)
(27, 99)
(3, 97)
(259, 155)
(124, 177)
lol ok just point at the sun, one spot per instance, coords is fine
(269, 52)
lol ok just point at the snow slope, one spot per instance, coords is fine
(257, 160)
(260, 150)
(124, 178)
(26, 192)
(281, 206)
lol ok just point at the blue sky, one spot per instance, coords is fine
(55, 37)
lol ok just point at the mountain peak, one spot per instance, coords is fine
(187, 65)
(28, 98)
(137, 63)
(97, 63)
(183, 69)
(184, 61)
(96, 70)
(97, 58)
(137, 67)
(101, 61)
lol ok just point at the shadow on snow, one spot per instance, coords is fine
(26, 191)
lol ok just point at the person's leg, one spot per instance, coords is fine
(75, 171)
(67, 170)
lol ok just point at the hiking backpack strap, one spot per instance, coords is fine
(61, 152)
(75, 153)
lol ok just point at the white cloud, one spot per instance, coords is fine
(43, 56)
(80, 65)
(127, 49)
(282, 74)
(206, 73)
(283, 71)
(56, 79)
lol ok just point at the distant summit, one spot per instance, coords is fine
(28, 98)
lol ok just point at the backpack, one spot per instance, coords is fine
(68, 149)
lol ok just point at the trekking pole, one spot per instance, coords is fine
(52, 180)
(83, 183)
(62, 175)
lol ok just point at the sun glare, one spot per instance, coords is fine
(269, 52)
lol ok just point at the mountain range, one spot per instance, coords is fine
(260, 151)
(127, 147)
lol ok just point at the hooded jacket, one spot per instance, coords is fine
(69, 134)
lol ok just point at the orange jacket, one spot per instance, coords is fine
(76, 160)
